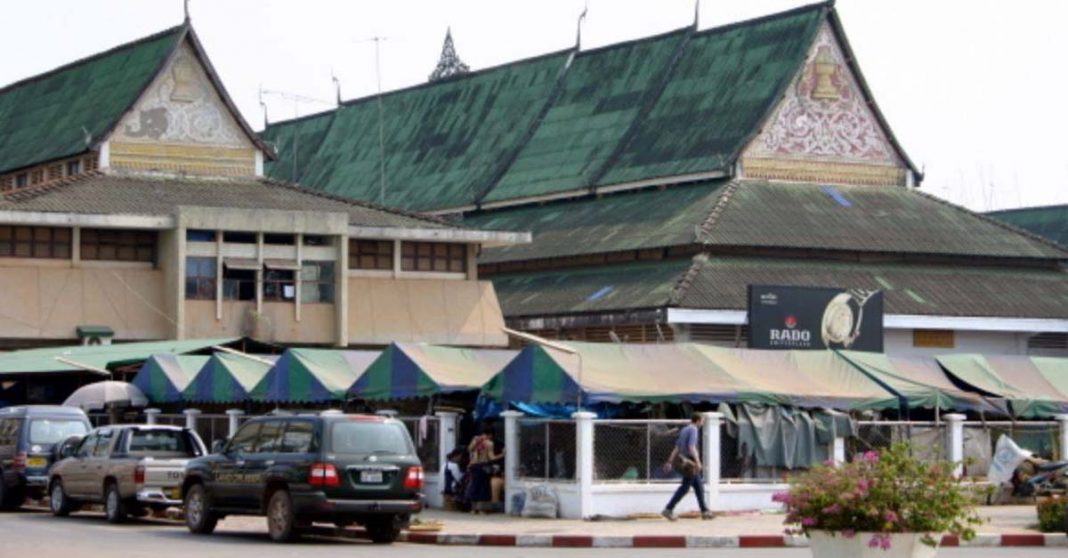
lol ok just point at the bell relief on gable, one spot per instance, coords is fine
(823, 128)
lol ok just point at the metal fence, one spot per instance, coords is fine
(928, 440)
(546, 449)
(426, 433)
(1040, 437)
(634, 450)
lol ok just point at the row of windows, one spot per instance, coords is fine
(242, 237)
(415, 256)
(45, 174)
(96, 244)
(317, 282)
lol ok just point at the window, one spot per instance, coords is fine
(270, 438)
(367, 438)
(280, 239)
(433, 256)
(37, 176)
(318, 240)
(199, 235)
(235, 237)
(279, 284)
(245, 439)
(371, 254)
(317, 282)
(119, 245)
(53, 431)
(22, 180)
(933, 338)
(55, 172)
(74, 167)
(161, 443)
(7, 183)
(200, 278)
(298, 437)
(85, 449)
(35, 242)
(103, 443)
(239, 284)
(90, 163)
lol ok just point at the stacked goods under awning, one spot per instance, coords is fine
(164, 377)
(312, 376)
(228, 378)
(1032, 386)
(410, 370)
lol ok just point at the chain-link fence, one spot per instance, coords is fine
(426, 434)
(980, 438)
(927, 440)
(546, 449)
(634, 450)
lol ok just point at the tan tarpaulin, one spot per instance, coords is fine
(920, 380)
(1014, 378)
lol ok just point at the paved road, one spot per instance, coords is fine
(39, 535)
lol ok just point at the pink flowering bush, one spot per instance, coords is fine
(881, 493)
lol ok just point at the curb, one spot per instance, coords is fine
(682, 541)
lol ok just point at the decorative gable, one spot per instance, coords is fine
(181, 125)
(824, 130)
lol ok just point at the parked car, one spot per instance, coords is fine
(128, 468)
(299, 470)
(28, 436)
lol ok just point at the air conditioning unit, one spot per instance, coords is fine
(95, 334)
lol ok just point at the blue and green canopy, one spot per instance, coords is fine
(409, 370)
(312, 375)
(228, 377)
(1033, 386)
(164, 377)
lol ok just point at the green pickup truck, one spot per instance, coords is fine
(304, 469)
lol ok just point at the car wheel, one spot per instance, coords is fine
(58, 502)
(198, 515)
(383, 530)
(114, 506)
(281, 520)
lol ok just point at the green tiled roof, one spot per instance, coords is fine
(445, 143)
(726, 82)
(63, 112)
(675, 104)
(602, 289)
(864, 218)
(295, 139)
(721, 282)
(1050, 222)
(599, 102)
(623, 221)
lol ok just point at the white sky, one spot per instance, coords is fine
(974, 89)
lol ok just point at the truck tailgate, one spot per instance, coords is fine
(165, 475)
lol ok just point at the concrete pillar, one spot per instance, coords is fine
(191, 418)
(447, 437)
(584, 460)
(511, 453)
(712, 450)
(152, 416)
(955, 442)
(234, 421)
(1063, 421)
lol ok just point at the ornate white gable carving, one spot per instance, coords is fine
(824, 116)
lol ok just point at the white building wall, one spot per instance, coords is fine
(898, 342)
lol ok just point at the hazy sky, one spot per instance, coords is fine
(975, 90)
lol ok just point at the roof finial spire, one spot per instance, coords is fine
(337, 86)
(185, 7)
(578, 33)
(263, 105)
(449, 64)
(696, 14)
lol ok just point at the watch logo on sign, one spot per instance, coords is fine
(791, 321)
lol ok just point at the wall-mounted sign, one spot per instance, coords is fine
(815, 318)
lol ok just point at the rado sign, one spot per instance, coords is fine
(815, 318)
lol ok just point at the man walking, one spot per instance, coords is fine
(686, 460)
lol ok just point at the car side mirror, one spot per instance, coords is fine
(218, 446)
(69, 447)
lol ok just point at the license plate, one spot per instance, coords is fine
(37, 462)
(174, 493)
(371, 477)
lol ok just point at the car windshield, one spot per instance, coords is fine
(364, 437)
(160, 443)
(52, 431)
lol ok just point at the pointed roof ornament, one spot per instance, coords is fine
(578, 33)
(185, 7)
(450, 64)
(696, 14)
(337, 86)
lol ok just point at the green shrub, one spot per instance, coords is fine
(1051, 512)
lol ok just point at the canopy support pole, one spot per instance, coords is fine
(87, 367)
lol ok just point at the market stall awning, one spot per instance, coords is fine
(615, 372)
(919, 380)
(30, 361)
(163, 377)
(801, 378)
(312, 375)
(1014, 378)
(228, 377)
(407, 370)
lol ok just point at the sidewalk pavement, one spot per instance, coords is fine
(1005, 526)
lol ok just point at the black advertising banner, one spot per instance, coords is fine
(815, 318)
